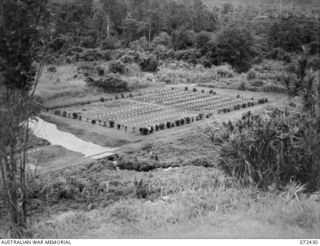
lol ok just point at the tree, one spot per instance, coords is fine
(203, 39)
(162, 39)
(175, 16)
(130, 29)
(22, 44)
(201, 18)
(72, 18)
(100, 24)
(116, 10)
(183, 39)
(234, 45)
(290, 33)
(301, 81)
(227, 8)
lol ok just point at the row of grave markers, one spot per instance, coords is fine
(160, 126)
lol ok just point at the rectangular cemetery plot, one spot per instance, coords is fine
(190, 100)
(156, 110)
(130, 114)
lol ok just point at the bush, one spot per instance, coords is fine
(183, 39)
(314, 62)
(163, 53)
(149, 63)
(162, 39)
(69, 60)
(189, 55)
(242, 86)
(60, 43)
(280, 55)
(52, 69)
(257, 83)
(205, 61)
(202, 39)
(106, 55)
(111, 43)
(272, 148)
(90, 55)
(75, 116)
(251, 75)
(86, 68)
(225, 71)
(133, 70)
(137, 164)
(117, 67)
(75, 50)
(88, 42)
(140, 44)
(100, 71)
(110, 83)
(127, 59)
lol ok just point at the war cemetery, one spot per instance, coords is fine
(156, 110)
(159, 119)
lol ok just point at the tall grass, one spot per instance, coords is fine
(273, 148)
(189, 202)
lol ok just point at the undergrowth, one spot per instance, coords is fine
(271, 148)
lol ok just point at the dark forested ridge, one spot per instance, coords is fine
(196, 31)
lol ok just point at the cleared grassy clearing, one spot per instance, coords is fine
(60, 81)
(66, 84)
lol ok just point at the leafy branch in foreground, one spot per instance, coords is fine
(23, 31)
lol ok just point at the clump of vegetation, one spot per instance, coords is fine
(109, 83)
(52, 69)
(137, 164)
(117, 67)
(90, 55)
(273, 148)
(163, 53)
(127, 59)
(149, 63)
(301, 80)
(110, 43)
(251, 75)
(189, 55)
(225, 71)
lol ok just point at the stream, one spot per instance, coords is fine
(52, 134)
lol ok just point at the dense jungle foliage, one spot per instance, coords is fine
(190, 30)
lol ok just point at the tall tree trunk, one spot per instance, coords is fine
(149, 34)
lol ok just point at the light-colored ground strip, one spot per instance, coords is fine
(50, 132)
